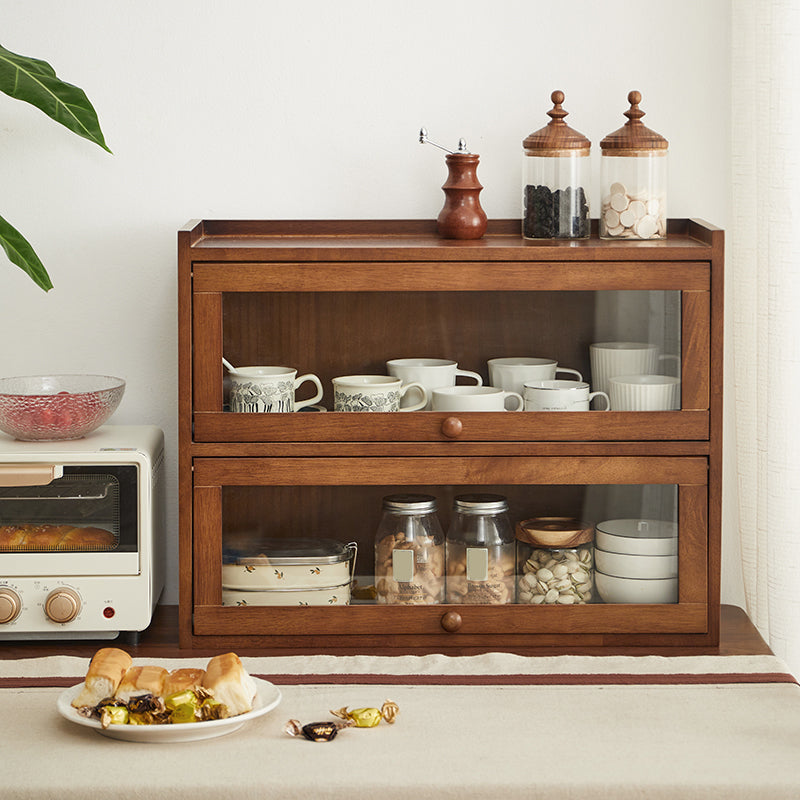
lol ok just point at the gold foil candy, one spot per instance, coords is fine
(389, 711)
(113, 715)
(369, 717)
(183, 706)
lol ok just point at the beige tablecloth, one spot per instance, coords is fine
(494, 726)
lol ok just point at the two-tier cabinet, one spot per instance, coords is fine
(337, 298)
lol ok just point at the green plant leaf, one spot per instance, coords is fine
(21, 253)
(35, 82)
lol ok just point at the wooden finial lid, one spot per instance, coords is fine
(634, 135)
(556, 136)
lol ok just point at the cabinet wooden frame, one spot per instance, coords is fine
(241, 263)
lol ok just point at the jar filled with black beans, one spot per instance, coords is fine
(555, 175)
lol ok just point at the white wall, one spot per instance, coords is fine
(265, 109)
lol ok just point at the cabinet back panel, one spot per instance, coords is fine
(341, 333)
(352, 513)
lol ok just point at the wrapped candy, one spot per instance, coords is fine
(183, 706)
(316, 731)
(369, 717)
(114, 715)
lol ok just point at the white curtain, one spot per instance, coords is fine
(763, 275)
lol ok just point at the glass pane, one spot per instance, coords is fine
(545, 545)
(354, 333)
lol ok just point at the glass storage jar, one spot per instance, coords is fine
(555, 561)
(633, 180)
(555, 179)
(480, 551)
(409, 551)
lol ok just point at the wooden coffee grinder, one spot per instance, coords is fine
(462, 216)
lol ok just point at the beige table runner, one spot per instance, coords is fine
(621, 742)
(498, 668)
(502, 727)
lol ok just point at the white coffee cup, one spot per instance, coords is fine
(609, 359)
(473, 398)
(560, 396)
(373, 393)
(269, 389)
(512, 374)
(432, 373)
(645, 393)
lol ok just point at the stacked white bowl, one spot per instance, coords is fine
(636, 561)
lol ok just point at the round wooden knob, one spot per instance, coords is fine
(452, 427)
(451, 621)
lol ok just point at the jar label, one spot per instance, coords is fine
(403, 565)
(477, 564)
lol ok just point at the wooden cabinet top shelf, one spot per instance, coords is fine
(416, 240)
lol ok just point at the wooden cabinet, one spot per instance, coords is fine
(342, 297)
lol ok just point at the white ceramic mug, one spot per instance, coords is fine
(512, 374)
(560, 396)
(373, 393)
(269, 389)
(645, 393)
(609, 359)
(473, 398)
(432, 373)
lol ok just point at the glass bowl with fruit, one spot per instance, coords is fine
(55, 407)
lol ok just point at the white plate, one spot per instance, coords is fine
(267, 698)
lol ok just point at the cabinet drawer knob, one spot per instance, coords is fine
(452, 427)
(451, 621)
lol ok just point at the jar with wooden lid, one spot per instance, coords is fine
(555, 561)
(633, 183)
(480, 551)
(409, 551)
(555, 179)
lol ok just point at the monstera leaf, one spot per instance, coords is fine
(35, 82)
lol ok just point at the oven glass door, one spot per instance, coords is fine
(85, 522)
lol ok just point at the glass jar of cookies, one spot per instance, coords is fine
(409, 551)
(633, 180)
(480, 551)
(555, 561)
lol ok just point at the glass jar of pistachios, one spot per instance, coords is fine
(555, 561)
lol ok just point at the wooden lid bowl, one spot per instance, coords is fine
(554, 532)
(634, 135)
(556, 138)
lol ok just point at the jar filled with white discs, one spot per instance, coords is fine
(555, 561)
(633, 182)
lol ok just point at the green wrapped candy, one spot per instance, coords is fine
(113, 715)
(182, 706)
(365, 717)
(369, 717)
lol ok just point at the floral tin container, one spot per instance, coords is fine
(290, 572)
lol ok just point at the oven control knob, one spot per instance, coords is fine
(62, 605)
(10, 605)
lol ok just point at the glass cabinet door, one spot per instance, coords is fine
(647, 348)
(282, 537)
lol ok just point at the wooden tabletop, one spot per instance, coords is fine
(738, 636)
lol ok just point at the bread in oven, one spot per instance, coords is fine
(34, 537)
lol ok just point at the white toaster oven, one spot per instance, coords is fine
(82, 534)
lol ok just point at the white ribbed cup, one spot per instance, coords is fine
(609, 359)
(645, 393)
